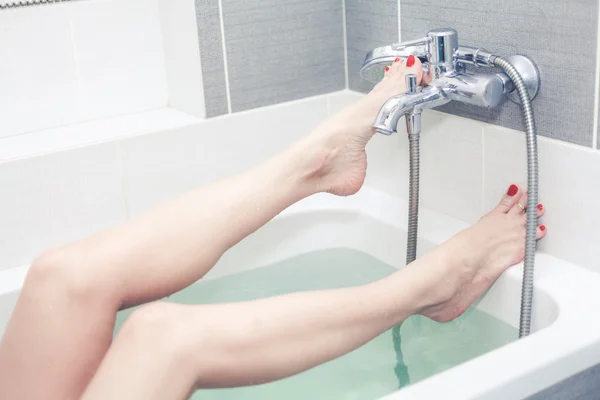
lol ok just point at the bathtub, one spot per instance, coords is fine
(566, 315)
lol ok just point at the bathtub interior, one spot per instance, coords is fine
(312, 231)
(302, 232)
(379, 234)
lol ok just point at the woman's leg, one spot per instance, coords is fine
(165, 351)
(62, 325)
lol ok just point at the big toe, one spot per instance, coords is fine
(402, 67)
(510, 199)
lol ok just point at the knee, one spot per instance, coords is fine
(61, 270)
(159, 328)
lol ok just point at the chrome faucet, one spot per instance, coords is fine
(445, 78)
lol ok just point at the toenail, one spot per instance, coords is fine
(387, 69)
(397, 59)
(512, 190)
(540, 207)
(543, 228)
(411, 61)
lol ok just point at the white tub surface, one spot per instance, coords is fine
(566, 317)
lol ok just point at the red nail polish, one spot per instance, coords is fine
(540, 207)
(410, 61)
(512, 190)
(397, 59)
(543, 228)
(387, 69)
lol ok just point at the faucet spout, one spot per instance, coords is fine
(409, 104)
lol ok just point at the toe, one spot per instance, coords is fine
(402, 67)
(414, 66)
(541, 232)
(541, 210)
(388, 70)
(520, 206)
(410, 65)
(510, 199)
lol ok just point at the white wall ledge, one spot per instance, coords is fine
(87, 133)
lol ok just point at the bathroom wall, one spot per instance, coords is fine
(79, 61)
(554, 33)
(257, 53)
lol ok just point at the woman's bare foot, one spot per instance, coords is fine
(343, 162)
(469, 263)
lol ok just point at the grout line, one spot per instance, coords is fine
(597, 94)
(225, 64)
(345, 43)
(76, 62)
(123, 174)
(399, 23)
(483, 170)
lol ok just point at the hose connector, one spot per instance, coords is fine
(475, 56)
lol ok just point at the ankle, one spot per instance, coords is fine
(306, 163)
(442, 271)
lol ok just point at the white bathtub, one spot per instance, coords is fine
(567, 328)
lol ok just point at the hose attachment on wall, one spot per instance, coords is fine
(532, 184)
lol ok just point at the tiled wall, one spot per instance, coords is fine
(561, 36)
(57, 69)
(257, 53)
(369, 24)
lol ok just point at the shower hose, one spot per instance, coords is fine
(532, 200)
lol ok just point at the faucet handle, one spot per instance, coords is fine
(417, 47)
(411, 83)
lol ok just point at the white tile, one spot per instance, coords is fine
(38, 86)
(162, 165)
(387, 164)
(451, 166)
(53, 199)
(120, 58)
(569, 190)
(182, 56)
(86, 133)
(450, 162)
(341, 99)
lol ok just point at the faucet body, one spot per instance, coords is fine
(445, 78)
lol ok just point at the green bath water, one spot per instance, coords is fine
(418, 349)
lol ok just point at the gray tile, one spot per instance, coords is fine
(583, 386)
(552, 32)
(369, 24)
(282, 50)
(211, 49)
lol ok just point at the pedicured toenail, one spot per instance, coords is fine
(512, 190)
(397, 59)
(410, 61)
(387, 69)
(540, 207)
(543, 228)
